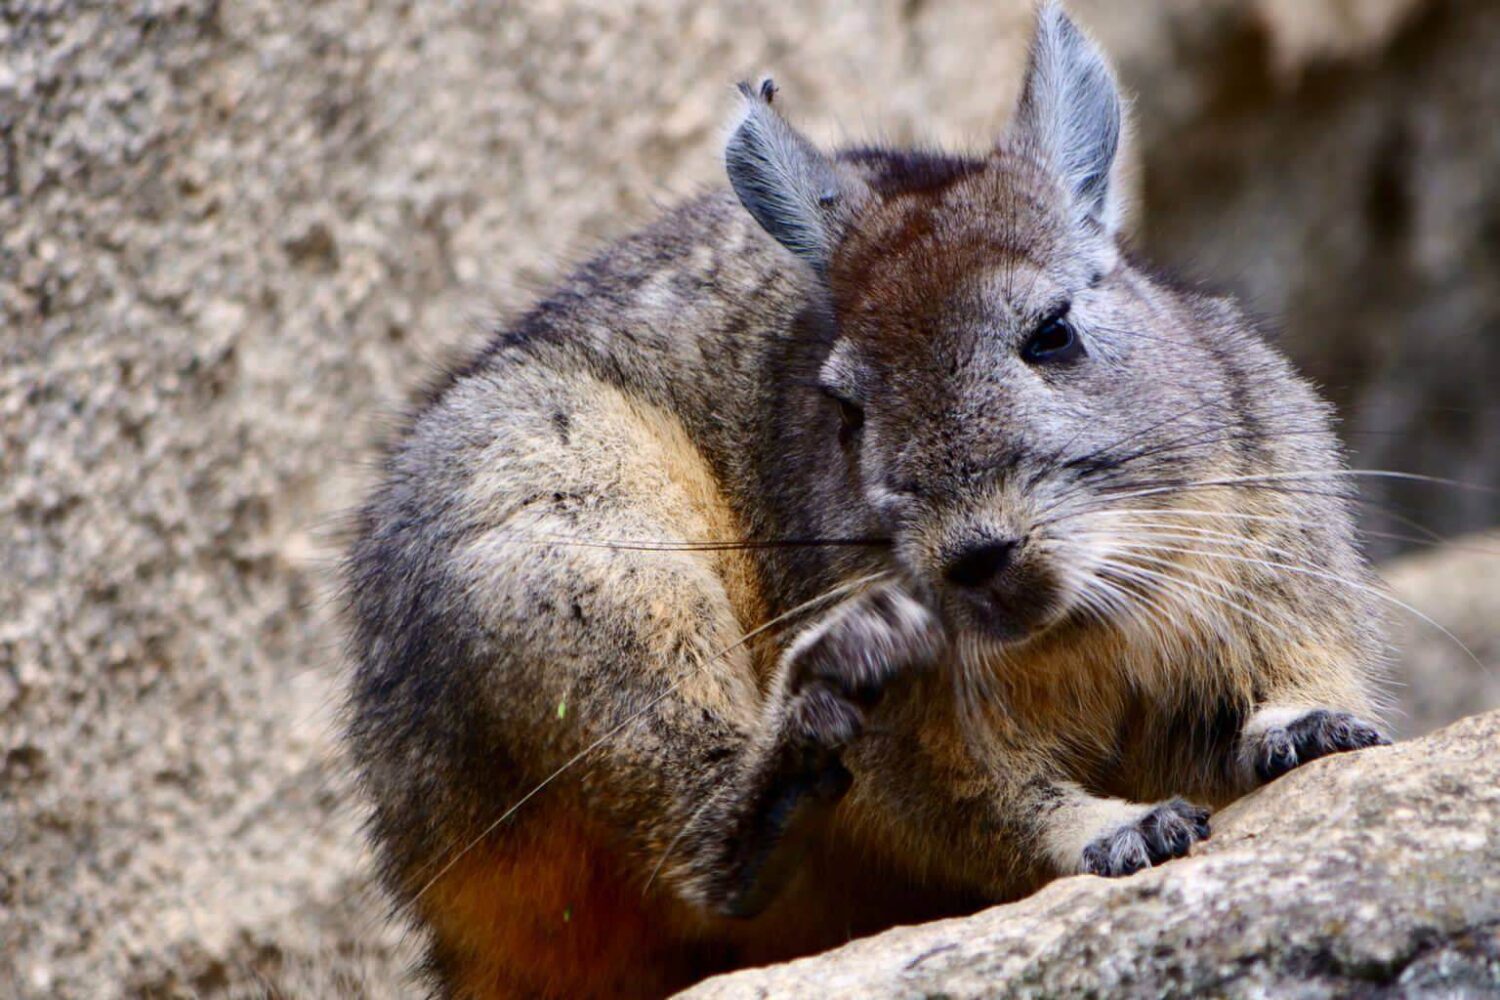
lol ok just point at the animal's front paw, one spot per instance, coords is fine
(1166, 832)
(843, 663)
(1284, 740)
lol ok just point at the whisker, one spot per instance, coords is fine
(1335, 578)
(1134, 603)
(1212, 595)
(1197, 437)
(1190, 533)
(706, 545)
(1106, 500)
(1170, 631)
(1137, 547)
(1193, 438)
(1099, 601)
(1099, 503)
(1239, 539)
(672, 845)
(1093, 455)
(1311, 474)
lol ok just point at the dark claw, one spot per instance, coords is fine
(1166, 832)
(1316, 734)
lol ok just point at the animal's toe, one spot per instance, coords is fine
(1123, 852)
(1314, 734)
(1165, 832)
(1171, 830)
(1336, 732)
(1276, 755)
(1322, 732)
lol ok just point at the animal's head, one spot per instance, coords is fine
(1007, 382)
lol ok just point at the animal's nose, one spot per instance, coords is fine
(979, 564)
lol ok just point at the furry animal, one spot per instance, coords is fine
(866, 544)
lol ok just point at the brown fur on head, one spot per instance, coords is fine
(1019, 401)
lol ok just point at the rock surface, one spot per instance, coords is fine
(1376, 874)
(231, 234)
(1445, 673)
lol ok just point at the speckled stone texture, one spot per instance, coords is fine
(233, 234)
(1372, 875)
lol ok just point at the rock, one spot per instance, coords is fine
(1441, 677)
(1373, 874)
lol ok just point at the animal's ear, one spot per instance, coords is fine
(1071, 110)
(798, 195)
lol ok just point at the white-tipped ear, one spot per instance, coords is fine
(1072, 111)
(797, 194)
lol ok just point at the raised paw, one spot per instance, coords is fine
(1168, 831)
(1283, 743)
(841, 665)
(865, 643)
(819, 717)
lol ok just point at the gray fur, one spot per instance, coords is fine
(542, 643)
(1071, 110)
(797, 194)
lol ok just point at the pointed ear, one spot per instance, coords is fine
(1071, 110)
(797, 194)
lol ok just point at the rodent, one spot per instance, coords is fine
(869, 542)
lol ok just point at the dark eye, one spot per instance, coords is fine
(1054, 342)
(851, 418)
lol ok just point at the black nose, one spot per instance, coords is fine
(982, 563)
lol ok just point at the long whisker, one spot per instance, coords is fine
(1101, 464)
(1225, 588)
(1335, 578)
(1286, 519)
(1105, 501)
(1132, 577)
(1201, 436)
(705, 545)
(1193, 533)
(1196, 536)
(670, 690)
(1084, 460)
(1307, 475)
(1167, 579)
(1137, 546)
(1128, 598)
(1098, 503)
(1121, 602)
(1143, 594)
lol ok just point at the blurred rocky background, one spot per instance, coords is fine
(233, 234)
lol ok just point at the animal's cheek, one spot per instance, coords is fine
(897, 512)
(910, 550)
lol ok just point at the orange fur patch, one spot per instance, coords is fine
(547, 910)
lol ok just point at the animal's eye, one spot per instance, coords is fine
(851, 417)
(1054, 342)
